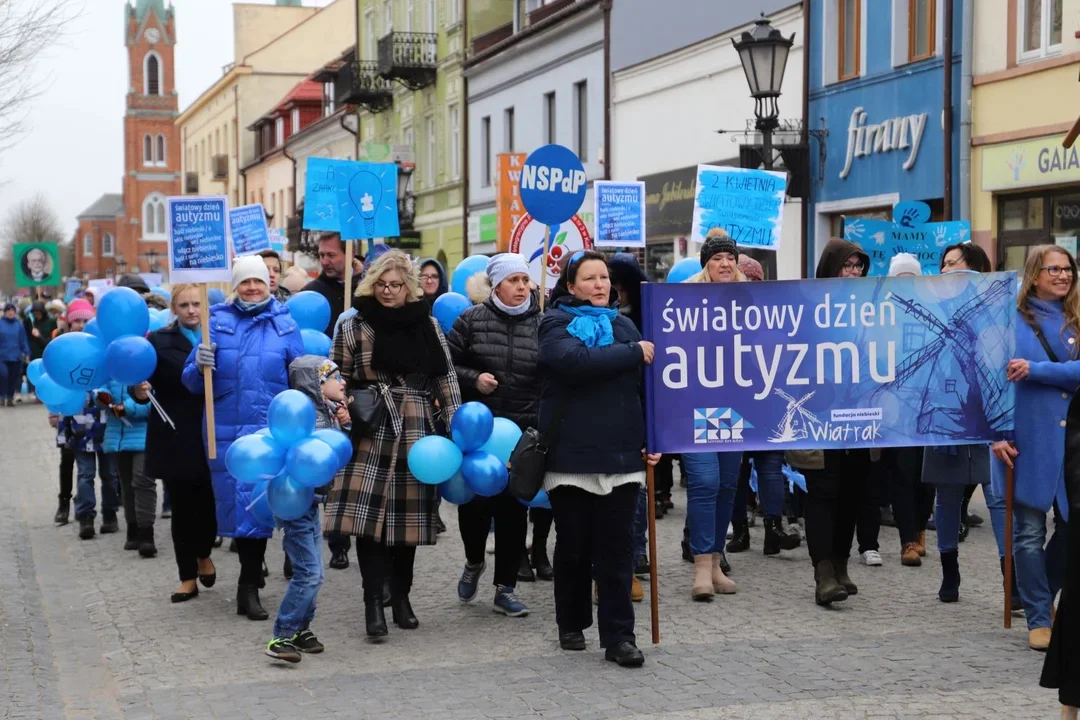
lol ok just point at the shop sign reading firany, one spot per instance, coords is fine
(903, 134)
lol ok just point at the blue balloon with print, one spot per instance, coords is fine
(215, 296)
(484, 473)
(471, 426)
(448, 307)
(684, 270)
(311, 462)
(260, 506)
(310, 310)
(339, 441)
(291, 417)
(131, 359)
(255, 457)
(553, 184)
(122, 311)
(456, 490)
(540, 501)
(76, 361)
(504, 438)
(36, 369)
(434, 459)
(289, 499)
(465, 270)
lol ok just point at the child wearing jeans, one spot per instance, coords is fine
(319, 379)
(83, 433)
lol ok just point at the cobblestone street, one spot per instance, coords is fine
(88, 632)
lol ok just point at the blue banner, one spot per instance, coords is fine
(620, 213)
(367, 204)
(199, 239)
(882, 240)
(321, 182)
(249, 232)
(882, 362)
(748, 204)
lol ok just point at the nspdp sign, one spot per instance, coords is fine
(553, 184)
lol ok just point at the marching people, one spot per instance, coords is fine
(273, 266)
(14, 351)
(83, 433)
(79, 313)
(591, 360)
(493, 346)
(175, 451)
(39, 330)
(393, 349)
(432, 279)
(1046, 370)
(253, 339)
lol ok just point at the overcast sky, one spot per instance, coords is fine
(74, 151)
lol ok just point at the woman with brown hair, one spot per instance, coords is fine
(393, 345)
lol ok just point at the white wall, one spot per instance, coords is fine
(666, 113)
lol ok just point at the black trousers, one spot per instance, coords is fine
(594, 538)
(868, 518)
(339, 542)
(511, 528)
(67, 472)
(194, 523)
(379, 563)
(541, 519)
(664, 476)
(833, 498)
(252, 552)
(912, 501)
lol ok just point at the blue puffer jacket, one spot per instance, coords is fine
(121, 436)
(253, 357)
(14, 345)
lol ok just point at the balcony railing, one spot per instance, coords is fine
(361, 84)
(191, 183)
(219, 165)
(409, 58)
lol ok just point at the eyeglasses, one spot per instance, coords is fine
(429, 277)
(393, 287)
(856, 266)
(1055, 270)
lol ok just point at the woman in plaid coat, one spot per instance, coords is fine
(394, 345)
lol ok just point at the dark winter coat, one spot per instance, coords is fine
(174, 454)
(835, 254)
(603, 426)
(443, 286)
(334, 292)
(627, 274)
(485, 339)
(45, 327)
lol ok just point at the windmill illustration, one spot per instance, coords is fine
(792, 425)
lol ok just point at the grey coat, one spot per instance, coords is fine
(969, 466)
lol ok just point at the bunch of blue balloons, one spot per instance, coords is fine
(311, 311)
(288, 459)
(465, 270)
(159, 318)
(112, 345)
(684, 270)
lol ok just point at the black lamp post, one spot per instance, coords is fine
(764, 55)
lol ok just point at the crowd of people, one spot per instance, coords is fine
(570, 366)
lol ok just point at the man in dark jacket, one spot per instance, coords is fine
(432, 279)
(331, 281)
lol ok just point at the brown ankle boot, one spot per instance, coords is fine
(703, 585)
(721, 582)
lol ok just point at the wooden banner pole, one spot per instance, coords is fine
(208, 374)
(544, 264)
(654, 597)
(1010, 479)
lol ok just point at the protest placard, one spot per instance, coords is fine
(620, 213)
(529, 237)
(72, 289)
(321, 182)
(247, 225)
(747, 204)
(198, 239)
(367, 203)
(840, 363)
(36, 264)
(909, 232)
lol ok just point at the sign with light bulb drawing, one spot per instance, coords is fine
(357, 199)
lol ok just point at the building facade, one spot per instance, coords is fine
(876, 104)
(1025, 186)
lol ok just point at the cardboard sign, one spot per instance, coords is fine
(199, 239)
(367, 203)
(748, 204)
(620, 213)
(248, 228)
(321, 182)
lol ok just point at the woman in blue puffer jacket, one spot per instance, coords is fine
(125, 445)
(253, 339)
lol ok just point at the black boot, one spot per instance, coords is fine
(387, 596)
(375, 618)
(541, 563)
(63, 512)
(661, 507)
(132, 540)
(247, 603)
(1016, 605)
(232, 545)
(950, 577)
(740, 539)
(827, 589)
(686, 554)
(401, 609)
(109, 523)
(776, 539)
(147, 549)
(86, 528)
(842, 577)
(525, 571)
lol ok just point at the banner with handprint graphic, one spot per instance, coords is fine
(908, 233)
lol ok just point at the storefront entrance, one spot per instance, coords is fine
(1046, 217)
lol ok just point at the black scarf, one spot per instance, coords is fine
(405, 338)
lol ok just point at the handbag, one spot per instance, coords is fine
(366, 409)
(528, 461)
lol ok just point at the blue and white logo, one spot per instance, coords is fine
(553, 184)
(718, 425)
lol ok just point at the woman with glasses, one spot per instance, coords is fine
(1046, 370)
(394, 345)
(432, 279)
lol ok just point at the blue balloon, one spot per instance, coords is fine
(162, 292)
(264, 431)
(92, 328)
(73, 404)
(76, 361)
(288, 498)
(504, 438)
(215, 296)
(291, 417)
(465, 270)
(310, 310)
(540, 501)
(447, 307)
(130, 360)
(122, 311)
(684, 270)
(254, 457)
(434, 459)
(455, 490)
(553, 184)
(471, 426)
(36, 369)
(259, 507)
(315, 342)
(158, 319)
(49, 392)
(338, 440)
(484, 473)
(311, 462)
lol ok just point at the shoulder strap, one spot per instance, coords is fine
(551, 432)
(1042, 341)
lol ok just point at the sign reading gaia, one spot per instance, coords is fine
(1031, 163)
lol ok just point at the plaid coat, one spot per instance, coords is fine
(376, 497)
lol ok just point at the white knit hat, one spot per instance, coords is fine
(247, 267)
(904, 263)
(504, 265)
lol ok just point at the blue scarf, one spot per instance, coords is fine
(250, 308)
(194, 335)
(591, 325)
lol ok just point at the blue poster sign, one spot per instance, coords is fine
(367, 203)
(324, 176)
(868, 362)
(553, 184)
(620, 213)
(249, 232)
(908, 233)
(72, 289)
(748, 204)
(199, 239)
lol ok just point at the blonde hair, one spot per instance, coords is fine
(703, 275)
(392, 260)
(176, 289)
(1070, 304)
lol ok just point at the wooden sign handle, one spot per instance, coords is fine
(543, 265)
(348, 274)
(654, 592)
(208, 375)
(1008, 567)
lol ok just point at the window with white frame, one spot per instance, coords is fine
(485, 148)
(432, 16)
(159, 158)
(152, 74)
(328, 99)
(88, 246)
(922, 29)
(549, 118)
(295, 121)
(849, 36)
(388, 17)
(408, 15)
(455, 142)
(154, 217)
(279, 132)
(581, 120)
(108, 245)
(454, 14)
(371, 48)
(148, 150)
(508, 130)
(1040, 28)
(429, 176)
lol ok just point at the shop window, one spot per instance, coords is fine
(1022, 224)
(849, 19)
(1039, 27)
(922, 30)
(1022, 214)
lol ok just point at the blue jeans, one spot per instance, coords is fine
(770, 482)
(303, 544)
(711, 481)
(947, 508)
(10, 379)
(85, 500)
(1039, 570)
(641, 523)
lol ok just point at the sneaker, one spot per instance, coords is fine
(508, 603)
(306, 642)
(871, 558)
(283, 649)
(469, 584)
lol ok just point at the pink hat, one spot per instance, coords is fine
(80, 310)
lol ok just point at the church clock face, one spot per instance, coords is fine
(152, 35)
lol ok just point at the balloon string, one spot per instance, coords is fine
(255, 501)
(161, 411)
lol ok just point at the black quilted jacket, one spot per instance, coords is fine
(484, 339)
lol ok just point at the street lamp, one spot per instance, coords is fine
(764, 55)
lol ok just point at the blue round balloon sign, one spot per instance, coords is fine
(553, 184)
